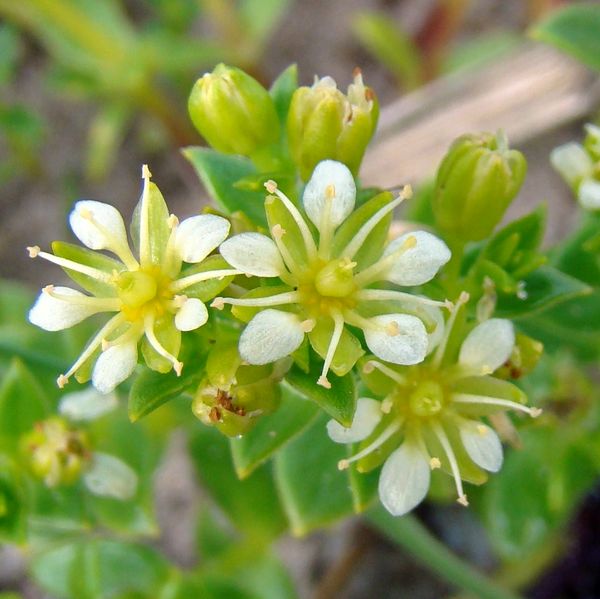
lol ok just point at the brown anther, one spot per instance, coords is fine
(356, 72)
(214, 415)
(369, 94)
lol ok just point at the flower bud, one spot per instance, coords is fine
(476, 181)
(323, 123)
(233, 111)
(56, 452)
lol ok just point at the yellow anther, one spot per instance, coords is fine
(146, 174)
(308, 325)
(178, 367)
(386, 405)
(347, 264)
(48, 289)
(322, 380)
(34, 250)
(535, 412)
(179, 300)
(343, 464)
(61, 381)
(330, 192)
(463, 500)
(172, 221)
(218, 303)
(270, 186)
(434, 463)
(463, 298)
(392, 328)
(278, 231)
(406, 192)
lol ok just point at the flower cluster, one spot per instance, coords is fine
(432, 415)
(333, 280)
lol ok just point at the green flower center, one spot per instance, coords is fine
(427, 399)
(136, 288)
(336, 279)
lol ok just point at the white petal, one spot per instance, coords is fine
(53, 314)
(253, 254)
(330, 173)
(113, 366)
(269, 336)
(198, 236)
(403, 340)
(589, 194)
(366, 418)
(191, 315)
(488, 345)
(98, 225)
(420, 263)
(110, 477)
(572, 162)
(404, 479)
(482, 445)
(87, 404)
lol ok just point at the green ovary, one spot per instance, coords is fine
(336, 279)
(136, 288)
(427, 399)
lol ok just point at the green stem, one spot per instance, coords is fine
(451, 273)
(408, 532)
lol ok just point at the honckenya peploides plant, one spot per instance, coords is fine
(328, 280)
(154, 298)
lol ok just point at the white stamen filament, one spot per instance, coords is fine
(463, 298)
(338, 328)
(376, 444)
(309, 242)
(181, 284)
(277, 233)
(376, 271)
(94, 273)
(156, 344)
(467, 398)
(388, 294)
(357, 241)
(356, 320)
(389, 372)
(106, 330)
(289, 297)
(443, 439)
(108, 304)
(145, 249)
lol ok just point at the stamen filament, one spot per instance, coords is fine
(277, 233)
(145, 249)
(94, 273)
(356, 320)
(181, 284)
(103, 304)
(389, 372)
(357, 241)
(288, 297)
(388, 294)
(441, 348)
(156, 344)
(468, 398)
(338, 328)
(443, 439)
(376, 444)
(309, 242)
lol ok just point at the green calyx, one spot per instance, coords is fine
(476, 182)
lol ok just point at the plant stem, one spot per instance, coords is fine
(409, 533)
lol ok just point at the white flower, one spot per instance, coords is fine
(329, 281)
(152, 298)
(432, 417)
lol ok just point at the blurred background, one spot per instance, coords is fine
(92, 89)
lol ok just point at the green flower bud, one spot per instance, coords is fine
(56, 453)
(323, 123)
(233, 112)
(476, 181)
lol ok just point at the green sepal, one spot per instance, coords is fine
(87, 257)
(372, 248)
(222, 364)
(339, 401)
(348, 351)
(376, 458)
(169, 337)
(282, 90)
(363, 485)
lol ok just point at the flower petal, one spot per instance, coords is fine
(192, 315)
(404, 479)
(110, 477)
(99, 226)
(269, 336)
(113, 366)
(589, 194)
(253, 254)
(488, 345)
(329, 175)
(198, 236)
(482, 445)
(572, 162)
(54, 314)
(398, 338)
(88, 404)
(420, 263)
(366, 418)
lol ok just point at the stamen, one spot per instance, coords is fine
(463, 298)
(357, 241)
(443, 439)
(181, 284)
(434, 463)
(389, 372)
(156, 344)
(386, 405)
(145, 249)
(388, 294)
(101, 303)
(385, 435)
(94, 273)
(330, 191)
(468, 398)
(288, 297)
(277, 233)
(392, 328)
(61, 381)
(308, 325)
(338, 328)
(309, 242)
